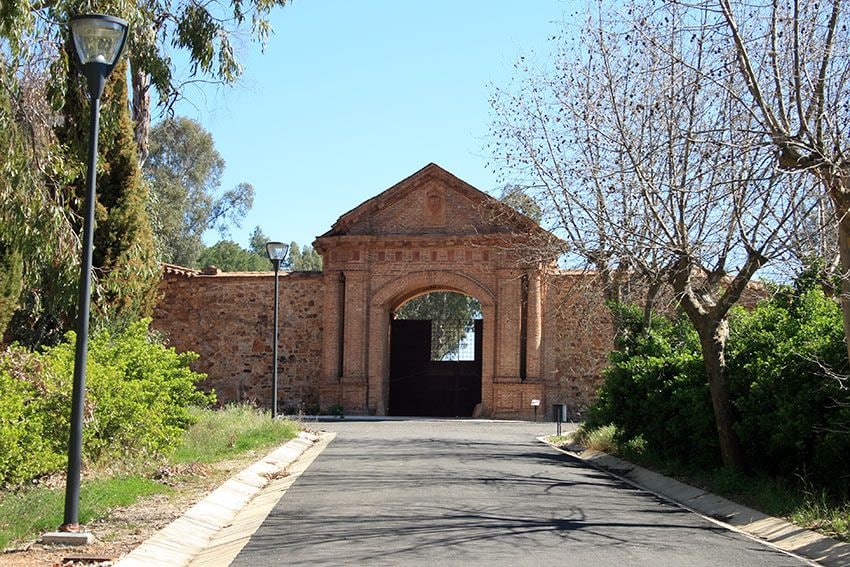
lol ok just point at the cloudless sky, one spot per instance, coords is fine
(351, 97)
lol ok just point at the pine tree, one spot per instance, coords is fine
(258, 241)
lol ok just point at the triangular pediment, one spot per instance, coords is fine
(432, 201)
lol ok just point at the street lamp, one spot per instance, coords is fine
(98, 40)
(277, 253)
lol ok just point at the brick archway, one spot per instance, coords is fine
(430, 232)
(398, 291)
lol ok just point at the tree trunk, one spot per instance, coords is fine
(141, 111)
(649, 304)
(713, 341)
(838, 189)
(844, 255)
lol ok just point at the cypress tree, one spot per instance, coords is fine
(124, 259)
(11, 259)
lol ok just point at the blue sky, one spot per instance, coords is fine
(351, 97)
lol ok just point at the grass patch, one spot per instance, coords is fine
(236, 431)
(220, 435)
(561, 441)
(601, 439)
(791, 499)
(821, 514)
(37, 510)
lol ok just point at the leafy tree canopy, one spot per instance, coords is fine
(184, 171)
(298, 259)
(304, 258)
(517, 197)
(451, 315)
(202, 31)
(228, 256)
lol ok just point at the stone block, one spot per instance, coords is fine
(67, 538)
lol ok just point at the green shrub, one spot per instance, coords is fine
(335, 409)
(598, 439)
(787, 368)
(138, 394)
(655, 389)
(26, 449)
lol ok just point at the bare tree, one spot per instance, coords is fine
(793, 59)
(647, 168)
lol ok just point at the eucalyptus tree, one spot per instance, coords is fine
(42, 152)
(161, 31)
(38, 161)
(184, 172)
(646, 167)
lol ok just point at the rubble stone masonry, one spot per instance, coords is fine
(227, 318)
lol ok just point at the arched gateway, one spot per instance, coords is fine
(430, 232)
(543, 334)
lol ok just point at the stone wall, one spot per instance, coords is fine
(546, 333)
(578, 335)
(227, 318)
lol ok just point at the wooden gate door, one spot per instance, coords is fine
(422, 387)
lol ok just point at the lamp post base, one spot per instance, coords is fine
(67, 537)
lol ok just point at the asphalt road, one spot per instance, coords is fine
(479, 493)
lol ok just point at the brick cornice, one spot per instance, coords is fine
(501, 240)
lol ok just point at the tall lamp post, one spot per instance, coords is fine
(277, 253)
(98, 40)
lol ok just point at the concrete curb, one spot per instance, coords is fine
(186, 537)
(226, 545)
(775, 531)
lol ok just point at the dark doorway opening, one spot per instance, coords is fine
(422, 386)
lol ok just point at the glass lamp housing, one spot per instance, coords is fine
(276, 251)
(98, 38)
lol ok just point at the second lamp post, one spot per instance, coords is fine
(277, 253)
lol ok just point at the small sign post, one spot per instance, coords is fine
(535, 404)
